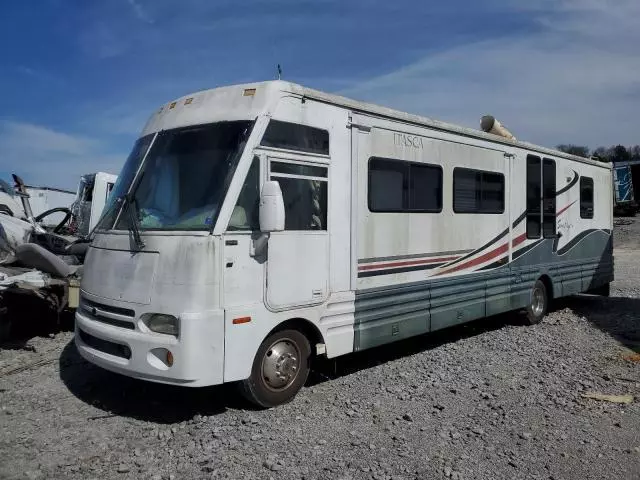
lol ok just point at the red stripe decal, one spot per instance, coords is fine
(562, 210)
(519, 239)
(407, 263)
(481, 259)
(487, 256)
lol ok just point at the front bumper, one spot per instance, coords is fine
(198, 352)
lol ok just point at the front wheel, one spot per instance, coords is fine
(280, 369)
(538, 303)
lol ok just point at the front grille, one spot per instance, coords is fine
(115, 316)
(127, 312)
(112, 348)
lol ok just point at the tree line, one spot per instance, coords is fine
(617, 153)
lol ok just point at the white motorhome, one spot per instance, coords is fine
(254, 227)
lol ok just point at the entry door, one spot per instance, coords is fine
(541, 198)
(298, 257)
(540, 225)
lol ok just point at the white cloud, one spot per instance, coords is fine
(42, 156)
(576, 79)
(140, 13)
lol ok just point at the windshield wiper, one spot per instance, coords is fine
(132, 210)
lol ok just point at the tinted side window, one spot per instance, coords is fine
(425, 188)
(245, 213)
(305, 197)
(398, 186)
(492, 192)
(388, 185)
(548, 198)
(586, 197)
(293, 136)
(477, 191)
(534, 180)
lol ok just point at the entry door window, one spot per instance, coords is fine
(304, 190)
(534, 180)
(549, 198)
(541, 197)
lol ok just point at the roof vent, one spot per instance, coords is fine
(490, 125)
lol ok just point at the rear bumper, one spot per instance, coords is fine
(198, 353)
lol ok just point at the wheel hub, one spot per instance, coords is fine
(280, 365)
(537, 304)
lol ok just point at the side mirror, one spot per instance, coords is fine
(271, 208)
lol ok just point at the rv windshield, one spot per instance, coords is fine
(184, 177)
(123, 182)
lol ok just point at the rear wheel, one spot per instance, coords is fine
(539, 302)
(280, 369)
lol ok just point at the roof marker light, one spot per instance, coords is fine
(249, 92)
(173, 104)
(188, 101)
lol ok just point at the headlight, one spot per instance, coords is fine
(161, 323)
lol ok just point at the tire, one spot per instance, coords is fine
(538, 303)
(265, 388)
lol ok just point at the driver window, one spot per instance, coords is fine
(304, 191)
(245, 215)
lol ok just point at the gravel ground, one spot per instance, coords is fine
(490, 400)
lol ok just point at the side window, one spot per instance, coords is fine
(477, 191)
(548, 198)
(109, 188)
(387, 185)
(534, 196)
(304, 190)
(292, 136)
(425, 188)
(586, 197)
(398, 186)
(245, 213)
(88, 193)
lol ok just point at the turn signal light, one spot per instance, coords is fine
(237, 321)
(169, 358)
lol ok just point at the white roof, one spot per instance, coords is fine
(377, 110)
(264, 88)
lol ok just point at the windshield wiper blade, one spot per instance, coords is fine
(134, 227)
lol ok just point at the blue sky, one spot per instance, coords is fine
(79, 78)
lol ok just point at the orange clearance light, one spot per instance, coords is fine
(188, 101)
(237, 321)
(169, 358)
(249, 92)
(173, 104)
